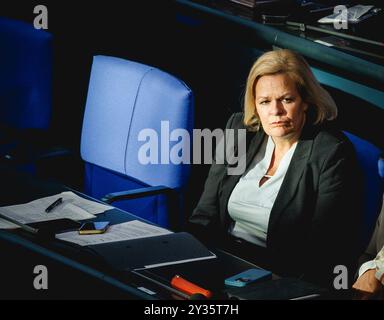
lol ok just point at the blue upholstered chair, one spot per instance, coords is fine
(125, 97)
(381, 166)
(368, 157)
(25, 87)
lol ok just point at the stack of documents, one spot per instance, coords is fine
(139, 245)
(119, 232)
(72, 207)
(126, 246)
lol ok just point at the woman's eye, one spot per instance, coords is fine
(288, 100)
(264, 102)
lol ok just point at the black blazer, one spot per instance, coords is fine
(315, 219)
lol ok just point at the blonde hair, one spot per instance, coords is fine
(284, 61)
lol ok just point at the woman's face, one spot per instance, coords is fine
(279, 106)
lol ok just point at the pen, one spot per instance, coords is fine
(54, 205)
(21, 225)
(42, 233)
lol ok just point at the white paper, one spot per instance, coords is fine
(73, 207)
(353, 14)
(125, 231)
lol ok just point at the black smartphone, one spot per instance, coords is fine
(96, 227)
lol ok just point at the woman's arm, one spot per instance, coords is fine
(333, 238)
(206, 214)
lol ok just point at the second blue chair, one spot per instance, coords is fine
(25, 92)
(368, 156)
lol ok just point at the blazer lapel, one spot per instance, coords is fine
(254, 145)
(291, 180)
(254, 141)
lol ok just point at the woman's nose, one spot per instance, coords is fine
(276, 107)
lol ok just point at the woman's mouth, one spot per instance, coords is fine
(280, 123)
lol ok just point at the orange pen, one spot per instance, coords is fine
(189, 288)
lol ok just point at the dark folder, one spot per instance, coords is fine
(279, 289)
(152, 252)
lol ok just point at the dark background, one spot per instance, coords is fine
(212, 58)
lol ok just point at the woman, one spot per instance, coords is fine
(370, 283)
(296, 208)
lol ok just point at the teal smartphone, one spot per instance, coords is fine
(96, 227)
(247, 277)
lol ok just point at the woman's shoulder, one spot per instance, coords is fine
(328, 136)
(236, 121)
(329, 133)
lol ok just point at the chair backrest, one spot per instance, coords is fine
(381, 166)
(368, 156)
(25, 76)
(126, 100)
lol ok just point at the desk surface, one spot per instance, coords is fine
(76, 273)
(365, 64)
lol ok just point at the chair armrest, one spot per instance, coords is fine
(136, 193)
(172, 197)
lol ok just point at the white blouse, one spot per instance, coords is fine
(250, 205)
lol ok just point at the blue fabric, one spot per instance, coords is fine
(368, 156)
(125, 97)
(100, 181)
(381, 167)
(26, 75)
